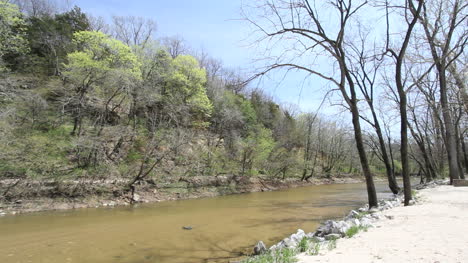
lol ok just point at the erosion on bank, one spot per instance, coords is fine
(19, 196)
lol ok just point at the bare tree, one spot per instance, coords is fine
(365, 67)
(175, 45)
(299, 23)
(411, 13)
(444, 24)
(37, 8)
(132, 30)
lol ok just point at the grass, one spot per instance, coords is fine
(286, 255)
(352, 231)
(362, 214)
(314, 248)
(303, 245)
(332, 243)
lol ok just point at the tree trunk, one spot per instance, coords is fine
(451, 143)
(371, 193)
(392, 183)
(404, 142)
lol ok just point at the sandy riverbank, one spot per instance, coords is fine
(433, 230)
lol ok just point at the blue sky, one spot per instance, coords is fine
(212, 25)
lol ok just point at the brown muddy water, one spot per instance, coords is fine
(224, 228)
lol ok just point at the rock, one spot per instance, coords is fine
(288, 243)
(332, 236)
(356, 222)
(333, 227)
(373, 210)
(366, 222)
(376, 216)
(412, 202)
(319, 239)
(2, 213)
(136, 197)
(298, 236)
(362, 209)
(353, 213)
(390, 217)
(187, 228)
(259, 248)
(18, 202)
(310, 235)
(389, 204)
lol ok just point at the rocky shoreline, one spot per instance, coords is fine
(326, 235)
(34, 196)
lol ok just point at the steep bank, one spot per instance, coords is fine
(20, 196)
(429, 231)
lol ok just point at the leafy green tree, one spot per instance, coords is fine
(185, 87)
(101, 65)
(256, 148)
(12, 32)
(51, 37)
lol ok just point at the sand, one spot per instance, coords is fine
(433, 230)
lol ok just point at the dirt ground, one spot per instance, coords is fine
(433, 230)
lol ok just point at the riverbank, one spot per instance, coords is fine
(429, 231)
(24, 196)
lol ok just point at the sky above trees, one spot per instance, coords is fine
(216, 28)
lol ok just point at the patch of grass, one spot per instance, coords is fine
(314, 248)
(332, 244)
(354, 230)
(285, 255)
(303, 245)
(362, 214)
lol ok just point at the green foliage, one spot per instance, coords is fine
(33, 153)
(314, 248)
(303, 245)
(50, 39)
(285, 255)
(331, 244)
(360, 215)
(256, 148)
(352, 231)
(98, 56)
(186, 85)
(12, 32)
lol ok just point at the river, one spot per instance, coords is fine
(224, 228)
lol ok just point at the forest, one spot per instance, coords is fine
(84, 98)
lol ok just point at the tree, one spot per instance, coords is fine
(412, 13)
(175, 45)
(101, 64)
(12, 32)
(445, 29)
(298, 21)
(35, 8)
(133, 31)
(50, 37)
(365, 67)
(185, 89)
